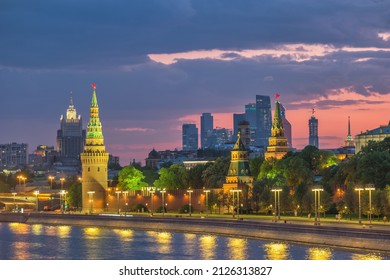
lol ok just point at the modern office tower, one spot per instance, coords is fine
(250, 116)
(206, 129)
(286, 125)
(313, 130)
(277, 143)
(245, 133)
(190, 137)
(70, 137)
(263, 120)
(220, 137)
(237, 118)
(13, 154)
(94, 160)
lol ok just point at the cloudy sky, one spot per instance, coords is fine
(161, 63)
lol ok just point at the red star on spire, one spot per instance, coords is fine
(93, 86)
(277, 95)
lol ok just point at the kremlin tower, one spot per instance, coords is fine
(277, 143)
(94, 161)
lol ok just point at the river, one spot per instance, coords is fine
(20, 241)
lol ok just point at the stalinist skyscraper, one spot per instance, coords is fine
(94, 161)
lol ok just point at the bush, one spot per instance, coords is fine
(140, 208)
(160, 209)
(186, 209)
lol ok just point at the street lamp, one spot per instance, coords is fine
(238, 201)
(277, 202)
(162, 195)
(126, 193)
(151, 201)
(189, 200)
(317, 189)
(62, 182)
(117, 199)
(14, 194)
(36, 197)
(90, 201)
(62, 194)
(369, 188)
(359, 189)
(51, 178)
(207, 201)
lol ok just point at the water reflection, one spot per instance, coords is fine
(63, 231)
(91, 232)
(21, 250)
(237, 248)
(190, 243)
(36, 229)
(277, 251)
(163, 240)
(208, 246)
(367, 257)
(124, 234)
(319, 254)
(19, 228)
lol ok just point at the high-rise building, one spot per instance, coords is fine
(206, 129)
(245, 133)
(286, 125)
(13, 154)
(190, 137)
(94, 160)
(237, 118)
(313, 131)
(70, 137)
(250, 116)
(277, 143)
(263, 120)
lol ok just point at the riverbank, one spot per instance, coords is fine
(339, 235)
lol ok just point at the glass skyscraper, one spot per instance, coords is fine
(206, 130)
(263, 120)
(190, 137)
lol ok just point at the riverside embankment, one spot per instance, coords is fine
(342, 235)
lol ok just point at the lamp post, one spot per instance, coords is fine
(90, 201)
(277, 202)
(189, 200)
(62, 182)
(162, 196)
(238, 201)
(359, 189)
(317, 192)
(62, 193)
(117, 199)
(369, 188)
(14, 194)
(207, 201)
(19, 178)
(126, 193)
(36, 198)
(51, 178)
(151, 201)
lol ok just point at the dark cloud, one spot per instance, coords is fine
(50, 48)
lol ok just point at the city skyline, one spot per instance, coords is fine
(163, 64)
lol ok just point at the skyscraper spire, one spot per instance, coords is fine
(349, 140)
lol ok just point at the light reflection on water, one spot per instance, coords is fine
(23, 241)
(277, 251)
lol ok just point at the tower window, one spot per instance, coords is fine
(98, 169)
(89, 169)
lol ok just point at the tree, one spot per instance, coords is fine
(254, 166)
(130, 178)
(174, 177)
(75, 195)
(195, 179)
(215, 173)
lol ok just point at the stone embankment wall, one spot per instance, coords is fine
(356, 238)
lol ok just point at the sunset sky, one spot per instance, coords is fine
(161, 63)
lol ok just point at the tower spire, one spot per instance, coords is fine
(94, 161)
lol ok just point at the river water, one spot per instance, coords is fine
(44, 242)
